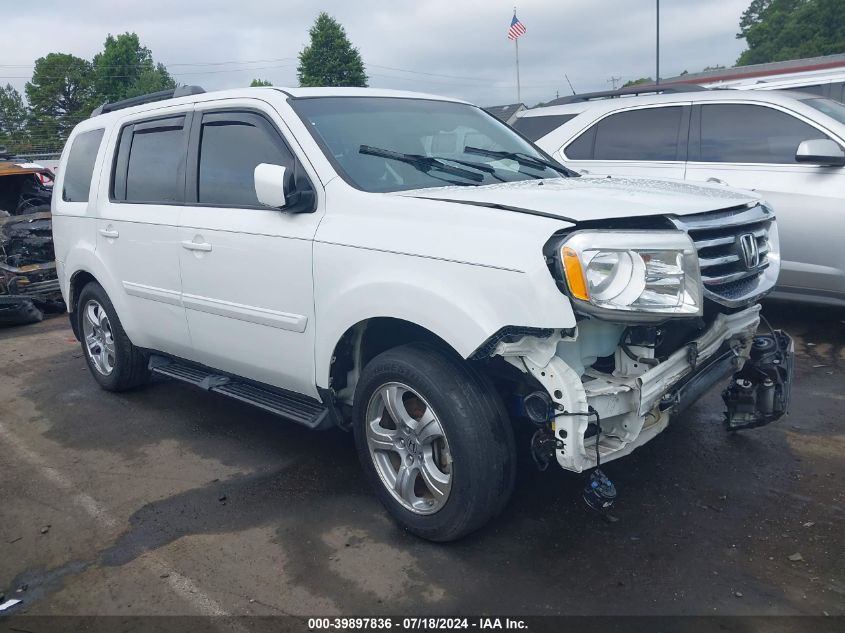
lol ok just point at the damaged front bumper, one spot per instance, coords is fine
(633, 409)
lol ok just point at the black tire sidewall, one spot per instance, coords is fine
(480, 438)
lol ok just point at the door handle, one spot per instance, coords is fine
(110, 233)
(718, 181)
(196, 246)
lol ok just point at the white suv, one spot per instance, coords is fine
(788, 146)
(408, 267)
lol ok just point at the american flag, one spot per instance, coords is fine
(517, 28)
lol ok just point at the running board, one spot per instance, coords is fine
(290, 406)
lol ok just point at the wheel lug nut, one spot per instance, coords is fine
(410, 459)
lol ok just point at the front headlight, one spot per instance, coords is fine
(652, 272)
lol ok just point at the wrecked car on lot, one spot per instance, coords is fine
(28, 281)
(426, 278)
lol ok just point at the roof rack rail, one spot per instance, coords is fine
(173, 93)
(625, 92)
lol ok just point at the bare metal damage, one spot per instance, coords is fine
(636, 401)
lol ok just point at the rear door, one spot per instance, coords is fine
(246, 268)
(753, 146)
(137, 229)
(646, 141)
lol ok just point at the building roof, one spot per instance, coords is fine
(827, 62)
(505, 112)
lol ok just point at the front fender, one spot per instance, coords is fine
(464, 304)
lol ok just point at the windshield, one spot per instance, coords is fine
(418, 143)
(831, 108)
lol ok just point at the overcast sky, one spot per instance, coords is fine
(461, 44)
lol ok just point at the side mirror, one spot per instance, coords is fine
(270, 185)
(820, 151)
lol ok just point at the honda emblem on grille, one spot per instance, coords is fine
(750, 250)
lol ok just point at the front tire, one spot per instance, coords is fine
(434, 440)
(115, 363)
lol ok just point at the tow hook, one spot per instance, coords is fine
(759, 393)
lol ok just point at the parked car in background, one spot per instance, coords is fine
(787, 146)
(822, 76)
(408, 267)
(28, 282)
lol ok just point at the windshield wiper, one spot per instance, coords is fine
(522, 159)
(420, 162)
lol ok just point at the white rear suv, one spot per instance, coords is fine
(788, 146)
(409, 267)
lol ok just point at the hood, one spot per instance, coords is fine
(594, 197)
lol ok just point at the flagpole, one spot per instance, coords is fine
(518, 96)
(516, 44)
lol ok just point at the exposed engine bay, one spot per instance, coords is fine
(609, 388)
(28, 282)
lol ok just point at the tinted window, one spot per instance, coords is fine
(230, 149)
(649, 134)
(534, 127)
(831, 108)
(732, 133)
(156, 161)
(80, 166)
(582, 147)
(813, 90)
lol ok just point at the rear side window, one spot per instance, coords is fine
(231, 146)
(535, 127)
(150, 165)
(737, 133)
(813, 90)
(649, 134)
(80, 166)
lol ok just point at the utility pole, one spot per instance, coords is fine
(569, 82)
(613, 81)
(657, 41)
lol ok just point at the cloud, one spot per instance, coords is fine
(461, 45)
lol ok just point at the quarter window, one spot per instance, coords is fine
(80, 166)
(535, 127)
(231, 146)
(737, 133)
(648, 134)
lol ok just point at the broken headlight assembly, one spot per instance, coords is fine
(628, 275)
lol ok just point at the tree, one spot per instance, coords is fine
(125, 69)
(777, 30)
(637, 82)
(259, 83)
(330, 59)
(13, 116)
(59, 94)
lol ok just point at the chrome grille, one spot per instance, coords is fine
(737, 252)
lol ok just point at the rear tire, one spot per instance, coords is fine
(434, 440)
(115, 363)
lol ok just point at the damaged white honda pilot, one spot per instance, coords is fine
(408, 267)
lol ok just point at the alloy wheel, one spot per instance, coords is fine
(409, 448)
(98, 337)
